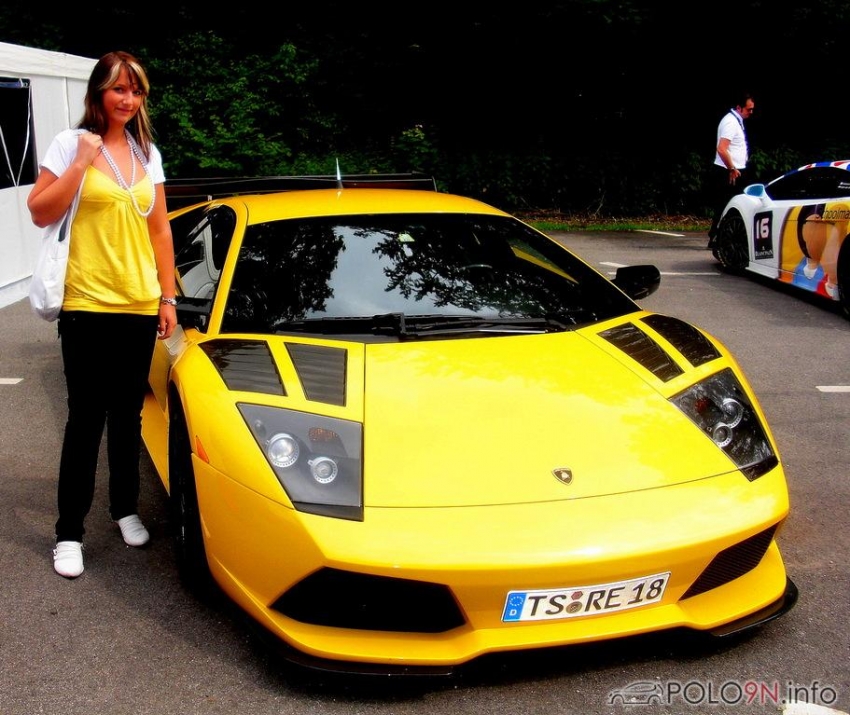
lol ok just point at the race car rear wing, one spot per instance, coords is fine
(184, 192)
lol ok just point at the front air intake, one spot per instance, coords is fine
(343, 599)
(733, 562)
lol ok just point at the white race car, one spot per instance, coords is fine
(793, 230)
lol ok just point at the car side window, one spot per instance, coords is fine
(816, 183)
(201, 241)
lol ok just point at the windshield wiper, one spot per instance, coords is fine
(412, 326)
(400, 325)
(327, 326)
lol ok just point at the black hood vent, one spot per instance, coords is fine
(642, 348)
(689, 341)
(321, 371)
(245, 365)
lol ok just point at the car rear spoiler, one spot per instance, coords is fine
(184, 192)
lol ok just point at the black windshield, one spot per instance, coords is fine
(315, 274)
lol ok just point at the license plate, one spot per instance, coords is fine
(574, 601)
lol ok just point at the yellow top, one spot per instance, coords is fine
(111, 265)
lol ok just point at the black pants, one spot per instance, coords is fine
(107, 359)
(721, 191)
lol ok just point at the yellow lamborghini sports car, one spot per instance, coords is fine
(402, 429)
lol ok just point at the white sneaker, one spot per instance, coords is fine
(133, 531)
(68, 558)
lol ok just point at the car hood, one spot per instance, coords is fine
(524, 419)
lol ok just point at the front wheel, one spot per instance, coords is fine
(185, 515)
(731, 248)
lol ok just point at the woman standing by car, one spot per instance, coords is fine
(119, 292)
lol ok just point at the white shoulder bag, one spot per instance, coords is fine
(47, 287)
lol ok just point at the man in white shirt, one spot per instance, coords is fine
(728, 173)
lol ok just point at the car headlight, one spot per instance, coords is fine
(316, 459)
(282, 450)
(720, 408)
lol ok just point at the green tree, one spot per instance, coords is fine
(232, 115)
(599, 106)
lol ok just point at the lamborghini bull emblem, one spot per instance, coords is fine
(563, 475)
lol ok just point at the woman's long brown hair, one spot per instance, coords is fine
(103, 76)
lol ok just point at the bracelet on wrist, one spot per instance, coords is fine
(168, 301)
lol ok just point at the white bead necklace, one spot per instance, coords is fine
(135, 153)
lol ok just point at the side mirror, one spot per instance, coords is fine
(637, 281)
(755, 190)
(193, 312)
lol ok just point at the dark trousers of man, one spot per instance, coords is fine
(721, 191)
(107, 359)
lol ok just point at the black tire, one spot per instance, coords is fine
(731, 248)
(844, 277)
(185, 516)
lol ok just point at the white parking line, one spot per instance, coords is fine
(663, 273)
(660, 233)
(10, 380)
(834, 388)
(798, 708)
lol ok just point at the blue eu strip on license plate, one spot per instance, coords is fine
(552, 604)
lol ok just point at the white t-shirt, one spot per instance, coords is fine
(63, 149)
(731, 127)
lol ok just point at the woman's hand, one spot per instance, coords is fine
(89, 145)
(51, 195)
(167, 321)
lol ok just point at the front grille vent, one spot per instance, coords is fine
(344, 599)
(733, 562)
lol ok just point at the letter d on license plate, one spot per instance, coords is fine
(584, 600)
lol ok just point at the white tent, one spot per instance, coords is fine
(41, 93)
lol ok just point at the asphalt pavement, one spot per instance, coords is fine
(126, 637)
